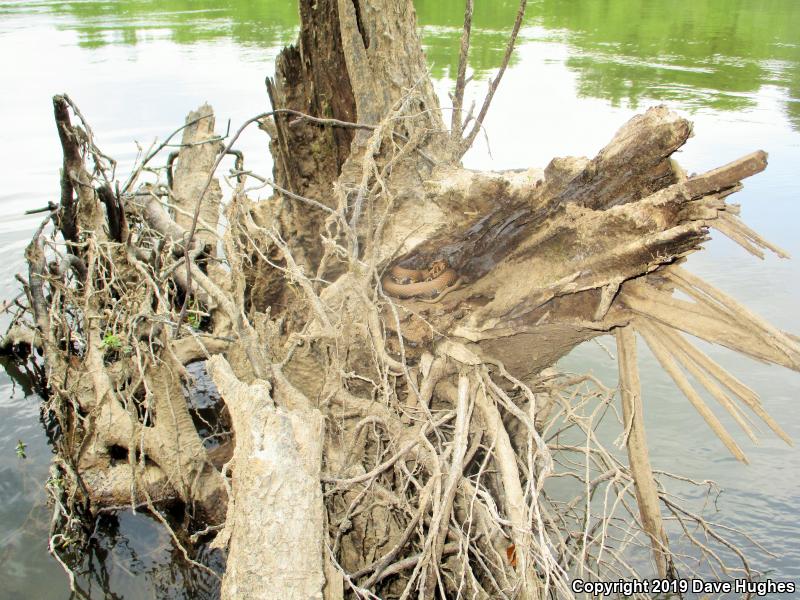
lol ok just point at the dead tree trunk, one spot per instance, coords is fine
(383, 329)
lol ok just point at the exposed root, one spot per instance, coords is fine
(404, 469)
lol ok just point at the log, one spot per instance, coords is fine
(578, 233)
(276, 522)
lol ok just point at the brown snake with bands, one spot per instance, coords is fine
(401, 282)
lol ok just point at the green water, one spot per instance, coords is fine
(704, 53)
(582, 68)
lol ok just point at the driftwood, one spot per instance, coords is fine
(378, 445)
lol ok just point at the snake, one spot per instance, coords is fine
(402, 282)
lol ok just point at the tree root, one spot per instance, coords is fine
(376, 447)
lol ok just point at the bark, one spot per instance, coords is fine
(273, 526)
(354, 61)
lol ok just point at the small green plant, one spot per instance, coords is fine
(193, 320)
(21, 449)
(112, 340)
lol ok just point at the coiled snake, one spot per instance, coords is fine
(430, 283)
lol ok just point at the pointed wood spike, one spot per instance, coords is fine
(638, 455)
(664, 356)
(708, 384)
(735, 223)
(701, 321)
(727, 175)
(744, 393)
(771, 334)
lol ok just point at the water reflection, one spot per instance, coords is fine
(441, 24)
(710, 53)
(126, 547)
(715, 54)
(103, 22)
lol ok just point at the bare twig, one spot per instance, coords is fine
(456, 123)
(470, 137)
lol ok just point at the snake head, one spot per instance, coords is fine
(437, 268)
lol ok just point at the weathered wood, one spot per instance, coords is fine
(638, 453)
(742, 335)
(513, 494)
(667, 361)
(201, 146)
(703, 379)
(578, 231)
(275, 527)
(72, 163)
(744, 393)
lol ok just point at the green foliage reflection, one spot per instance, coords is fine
(700, 53)
(266, 23)
(710, 53)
